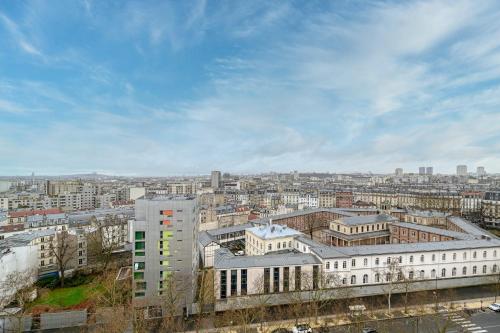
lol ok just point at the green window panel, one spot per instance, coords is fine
(138, 275)
(140, 235)
(140, 245)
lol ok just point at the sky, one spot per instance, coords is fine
(184, 87)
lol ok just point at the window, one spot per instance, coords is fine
(140, 245)
(141, 285)
(284, 245)
(377, 277)
(443, 272)
(454, 256)
(400, 259)
(353, 262)
(353, 279)
(411, 259)
(484, 254)
(267, 280)
(454, 271)
(140, 235)
(433, 257)
(327, 265)
(377, 261)
(138, 275)
(388, 277)
(365, 262)
(289, 243)
(433, 273)
(494, 269)
(139, 266)
(422, 258)
(388, 260)
(365, 278)
(443, 257)
(484, 269)
(234, 284)
(223, 284)
(464, 255)
(286, 278)
(474, 270)
(279, 245)
(276, 279)
(422, 274)
(474, 255)
(495, 253)
(410, 275)
(315, 277)
(344, 281)
(269, 247)
(298, 276)
(464, 270)
(336, 265)
(344, 264)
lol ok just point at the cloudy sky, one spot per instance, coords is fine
(178, 87)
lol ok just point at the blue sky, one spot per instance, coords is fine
(178, 87)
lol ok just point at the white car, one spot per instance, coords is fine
(495, 307)
(302, 328)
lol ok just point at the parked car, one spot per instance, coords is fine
(369, 330)
(280, 330)
(302, 328)
(495, 307)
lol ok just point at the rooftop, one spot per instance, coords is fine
(271, 231)
(368, 219)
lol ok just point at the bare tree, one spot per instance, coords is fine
(104, 239)
(64, 251)
(17, 288)
(175, 287)
(205, 296)
(391, 274)
(113, 302)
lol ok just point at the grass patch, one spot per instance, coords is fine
(65, 297)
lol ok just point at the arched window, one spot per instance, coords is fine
(344, 281)
(377, 277)
(400, 276)
(365, 278)
(422, 274)
(443, 272)
(464, 270)
(433, 273)
(454, 271)
(484, 269)
(410, 275)
(353, 279)
(474, 269)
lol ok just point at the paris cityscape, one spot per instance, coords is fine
(250, 166)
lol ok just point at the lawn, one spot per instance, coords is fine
(65, 297)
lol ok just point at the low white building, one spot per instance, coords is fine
(268, 238)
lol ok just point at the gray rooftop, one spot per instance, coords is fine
(230, 229)
(224, 259)
(438, 231)
(23, 239)
(357, 236)
(368, 219)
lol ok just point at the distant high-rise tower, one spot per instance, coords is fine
(421, 170)
(461, 170)
(481, 171)
(429, 170)
(399, 172)
(216, 179)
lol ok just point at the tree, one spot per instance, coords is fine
(391, 274)
(113, 302)
(63, 249)
(104, 239)
(175, 287)
(17, 288)
(205, 295)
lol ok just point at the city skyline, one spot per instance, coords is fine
(155, 88)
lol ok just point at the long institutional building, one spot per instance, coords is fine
(355, 252)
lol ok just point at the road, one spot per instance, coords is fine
(479, 322)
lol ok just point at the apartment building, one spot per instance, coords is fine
(165, 249)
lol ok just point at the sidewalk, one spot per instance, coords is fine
(379, 314)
